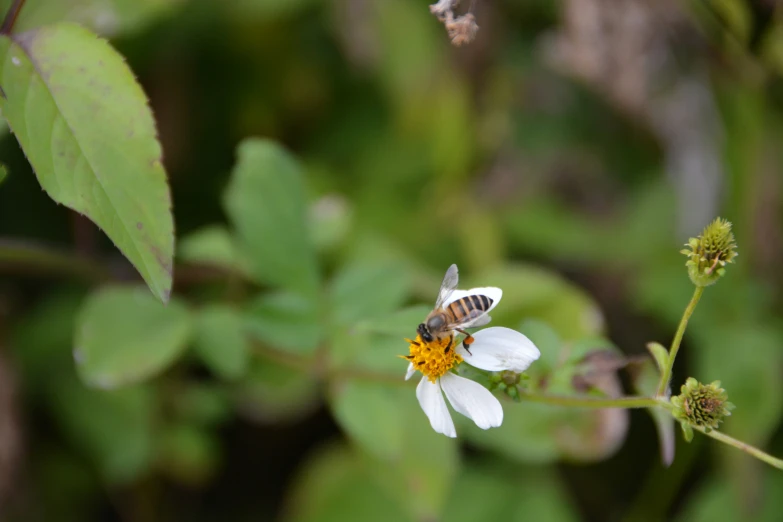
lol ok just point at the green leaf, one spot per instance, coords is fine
(123, 335)
(753, 383)
(335, 485)
(188, 453)
(716, 500)
(501, 492)
(367, 291)
(373, 415)
(271, 392)
(107, 17)
(330, 220)
(387, 422)
(86, 129)
(202, 403)
(268, 9)
(398, 324)
(542, 433)
(285, 321)
(533, 292)
(42, 340)
(660, 354)
(3, 173)
(546, 340)
(645, 382)
(527, 433)
(367, 351)
(114, 428)
(213, 246)
(266, 202)
(220, 341)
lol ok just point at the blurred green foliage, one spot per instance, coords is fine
(328, 159)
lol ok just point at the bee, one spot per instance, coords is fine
(456, 310)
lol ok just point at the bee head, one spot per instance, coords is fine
(435, 322)
(424, 333)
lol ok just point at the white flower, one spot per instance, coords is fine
(493, 349)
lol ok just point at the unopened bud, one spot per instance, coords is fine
(709, 253)
(703, 405)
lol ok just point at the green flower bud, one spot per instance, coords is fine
(703, 405)
(710, 252)
(509, 378)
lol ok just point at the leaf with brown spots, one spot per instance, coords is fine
(86, 128)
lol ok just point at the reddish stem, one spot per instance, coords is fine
(11, 16)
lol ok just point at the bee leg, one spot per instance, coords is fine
(467, 341)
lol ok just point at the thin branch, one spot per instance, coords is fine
(742, 446)
(11, 16)
(32, 258)
(666, 374)
(311, 365)
(586, 401)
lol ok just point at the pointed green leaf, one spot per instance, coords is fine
(335, 485)
(511, 493)
(124, 335)
(368, 291)
(387, 422)
(660, 354)
(213, 246)
(220, 341)
(266, 202)
(86, 129)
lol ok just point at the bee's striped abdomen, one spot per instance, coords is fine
(469, 307)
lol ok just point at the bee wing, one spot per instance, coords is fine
(481, 320)
(493, 293)
(447, 286)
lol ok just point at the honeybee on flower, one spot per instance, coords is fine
(436, 351)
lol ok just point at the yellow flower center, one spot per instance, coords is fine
(435, 358)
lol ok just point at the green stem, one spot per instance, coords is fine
(32, 258)
(747, 448)
(585, 401)
(667, 372)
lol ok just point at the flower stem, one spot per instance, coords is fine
(747, 448)
(585, 401)
(667, 372)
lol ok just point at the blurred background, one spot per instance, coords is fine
(565, 155)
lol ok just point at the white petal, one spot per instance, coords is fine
(497, 348)
(490, 291)
(434, 406)
(473, 401)
(410, 372)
